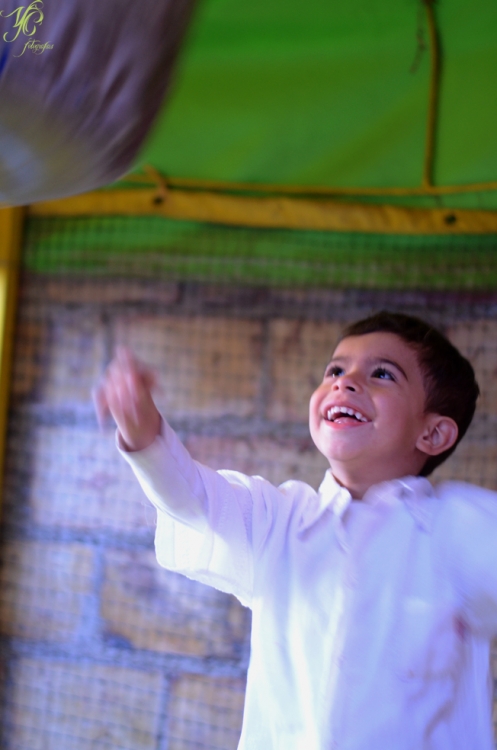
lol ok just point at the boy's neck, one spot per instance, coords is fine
(357, 490)
(358, 482)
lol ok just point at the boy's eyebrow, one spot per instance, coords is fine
(373, 360)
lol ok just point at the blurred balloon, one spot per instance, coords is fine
(80, 84)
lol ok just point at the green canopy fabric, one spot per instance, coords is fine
(324, 93)
(156, 247)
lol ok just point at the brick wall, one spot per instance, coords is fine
(100, 646)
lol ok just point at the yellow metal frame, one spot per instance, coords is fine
(11, 221)
(152, 177)
(276, 212)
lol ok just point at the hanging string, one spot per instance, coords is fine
(431, 126)
(421, 45)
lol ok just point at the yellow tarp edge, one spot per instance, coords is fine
(277, 212)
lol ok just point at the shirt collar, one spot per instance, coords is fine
(414, 492)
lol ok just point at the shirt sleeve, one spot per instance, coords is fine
(469, 528)
(206, 519)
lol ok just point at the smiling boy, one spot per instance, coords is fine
(378, 377)
(374, 599)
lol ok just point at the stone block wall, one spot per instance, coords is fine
(101, 648)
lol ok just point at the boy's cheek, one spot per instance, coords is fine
(314, 414)
(312, 407)
(314, 422)
(316, 399)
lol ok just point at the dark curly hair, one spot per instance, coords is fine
(449, 379)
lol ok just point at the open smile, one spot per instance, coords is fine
(345, 416)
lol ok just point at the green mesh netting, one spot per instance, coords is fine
(148, 246)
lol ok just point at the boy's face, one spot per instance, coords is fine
(377, 379)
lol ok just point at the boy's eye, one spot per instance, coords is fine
(333, 371)
(382, 374)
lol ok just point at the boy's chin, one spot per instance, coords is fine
(343, 453)
(344, 446)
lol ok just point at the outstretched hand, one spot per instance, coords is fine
(125, 393)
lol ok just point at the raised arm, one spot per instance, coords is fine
(168, 476)
(205, 519)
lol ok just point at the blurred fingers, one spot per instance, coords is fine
(100, 403)
(125, 393)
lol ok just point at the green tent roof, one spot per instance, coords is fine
(324, 94)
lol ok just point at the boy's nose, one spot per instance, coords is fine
(345, 383)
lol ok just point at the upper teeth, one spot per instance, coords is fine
(345, 410)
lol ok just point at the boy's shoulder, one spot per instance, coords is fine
(463, 505)
(287, 497)
(297, 487)
(286, 504)
(465, 492)
(465, 531)
(289, 488)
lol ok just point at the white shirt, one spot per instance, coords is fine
(371, 620)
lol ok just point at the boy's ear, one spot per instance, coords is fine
(440, 434)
